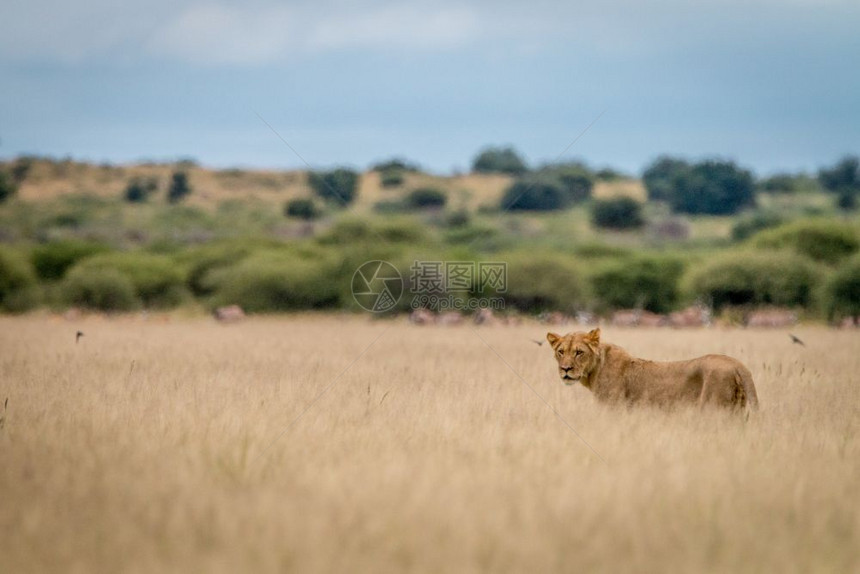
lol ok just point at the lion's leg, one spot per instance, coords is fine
(706, 393)
(705, 397)
(715, 391)
(723, 389)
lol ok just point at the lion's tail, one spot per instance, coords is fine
(745, 383)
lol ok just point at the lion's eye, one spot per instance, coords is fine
(578, 352)
(559, 352)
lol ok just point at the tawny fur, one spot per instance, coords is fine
(614, 376)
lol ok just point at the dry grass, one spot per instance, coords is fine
(468, 191)
(48, 181)
(622, 188)
(427, 455)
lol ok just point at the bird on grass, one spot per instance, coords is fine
(78, 336)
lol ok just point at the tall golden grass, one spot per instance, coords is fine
(181, 447)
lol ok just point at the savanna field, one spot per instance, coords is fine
(336, 443)
(291, 287)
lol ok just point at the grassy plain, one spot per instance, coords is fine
(180, 445)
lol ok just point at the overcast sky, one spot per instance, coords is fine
(772, 84)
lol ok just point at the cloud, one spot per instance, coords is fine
(257, 32)
(223, 34)
(398, 26)
(65, 32)
(225, 31)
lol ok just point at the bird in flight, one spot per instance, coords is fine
(794, 339)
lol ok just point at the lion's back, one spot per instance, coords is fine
(709, 379)
(726, 380)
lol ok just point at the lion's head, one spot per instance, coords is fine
(577, 354)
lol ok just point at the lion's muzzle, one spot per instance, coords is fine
(568, 377)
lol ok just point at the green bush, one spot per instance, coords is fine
(339, 186)
(543, 282)
(477, 235)
(139, 189)
(248, 217)
(755, 278)
(712, 188)
(609, 174)
(350, 230)
(846, 199)
(747, 226)
(821, 240)
(18, 288)
(391, 178)
(426, 197)
(499, 160)
(280, 281)
(21, 168)
(400, 231)
(553, 187)
(52, 260)
(103, 289)
(576, 179)
(201, 262)
(79, 211)
(302, 208)
(842, 291)
(595, 250)
(535, 193)
(7, 186)
(390, 206)
(182, 219)
(157, 280)
(843, 179)
(396, 164)
(659, 177)
(648, 282)
(187, 162)
(617, 213)
(458, 218)
(788, 183)
(179, 188)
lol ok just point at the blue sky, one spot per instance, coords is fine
(772, 84)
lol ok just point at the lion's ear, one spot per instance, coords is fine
(552, 338)
(593, 337)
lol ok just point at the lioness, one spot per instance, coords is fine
(614, 376)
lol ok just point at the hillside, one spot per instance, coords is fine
(47, 180)
(70, 238)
